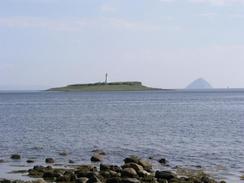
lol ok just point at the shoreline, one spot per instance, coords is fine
(96, 169)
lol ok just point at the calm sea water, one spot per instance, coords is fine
(187, 128)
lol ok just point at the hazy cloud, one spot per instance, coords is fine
(76, 24)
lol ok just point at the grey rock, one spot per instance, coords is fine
(15, 156)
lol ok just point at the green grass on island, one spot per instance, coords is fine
(114, 86)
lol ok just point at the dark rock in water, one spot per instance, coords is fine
(132, 159)
(15, 156)
(129, 172)
(30, 161)
(71, 161)
(165, 175)
(64, 153)
(99, 151)
(49, 160)
(97, 158)
(2, 161)
(162, 161)
(130, 180)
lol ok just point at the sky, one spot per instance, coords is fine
(163, 43)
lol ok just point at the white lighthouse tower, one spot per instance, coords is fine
(106, 78)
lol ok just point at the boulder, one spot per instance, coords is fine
(81, 180)
(99, 151)
(143, 173)
(165, 175)
(162, 161)
(114, 180)
(94, 179)
(135, 166)
(71, 161)
(30, 161)
(15, 156)
(49, 160)
(129, 172)
(132, 159)
(48, 176)
(97, 158)
(2, 161)
(64, 153)
(145, 164)
(130, 180)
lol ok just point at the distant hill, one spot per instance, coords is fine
(199, 84)
(114, 86)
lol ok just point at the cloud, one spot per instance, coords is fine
(75, 24)
(219, 2)
(108, 8)
(213, 2)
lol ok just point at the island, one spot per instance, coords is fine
(105, 86)
(199, 84)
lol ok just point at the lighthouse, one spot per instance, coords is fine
(106, 78)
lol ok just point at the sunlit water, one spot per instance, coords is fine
(187, 128)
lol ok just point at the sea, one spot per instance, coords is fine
(191, 129)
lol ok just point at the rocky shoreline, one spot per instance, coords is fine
(134, 170)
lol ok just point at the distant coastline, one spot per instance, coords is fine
(102, 86)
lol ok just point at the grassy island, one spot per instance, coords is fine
(113, 86)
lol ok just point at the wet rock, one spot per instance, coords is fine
(99, 151)
(145, 164)
(2, 161)
(39, 181)
(109, 174)
(30, 161)
(130, 180)
(115, 168)
(94, 179)
(135, 166)
(81, 180)
(97, 158)
(5, 181)
(104, 167)
(166, 181)
(242, 177)
(143, 173)
(132, 159)
(49, 160)
(162, 161)
(64, 153)
(15, 156)
(114, 180)
(165, 175)
(149, 179)
(35, 173)
(71, 161)
(85, 171)
(129, 172)
(48, 176)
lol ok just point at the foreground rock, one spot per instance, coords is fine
(49, 160)
(135, 170)
(97, 157)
